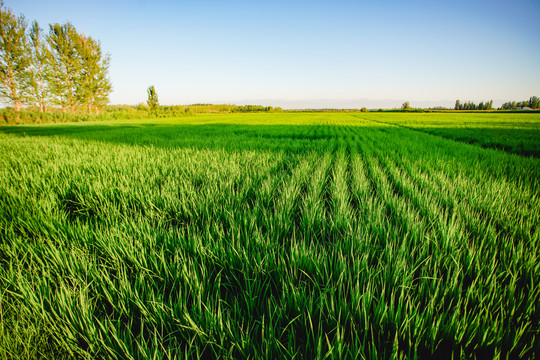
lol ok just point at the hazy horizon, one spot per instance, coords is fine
(342, 103)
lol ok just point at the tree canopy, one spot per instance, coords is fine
(14, 58)
(153, 102)
(63, 68)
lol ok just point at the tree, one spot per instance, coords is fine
(534, 102)
(38, 88)
(66, 64)
(406, 105)
(364, 109)
(510, 105)
(93, 86)
(152, 101)
(14, 58)
(65, 68)
(457, 106)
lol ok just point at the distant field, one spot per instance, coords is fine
(287, 235)
(517, 133)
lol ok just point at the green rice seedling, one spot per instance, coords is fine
(296, 235)
(512, 132)
(314, 216)
(341, 212)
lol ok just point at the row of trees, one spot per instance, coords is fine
(533, 103)
(469, 105)
(62, 68)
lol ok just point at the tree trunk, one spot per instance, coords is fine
(41, 92)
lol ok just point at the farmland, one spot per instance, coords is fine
(517, 133)
(287, 235)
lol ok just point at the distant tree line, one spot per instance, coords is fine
(230, 108)
(253, 108)
(62, 68)
(533, 103)
(469, 105)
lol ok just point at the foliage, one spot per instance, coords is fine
(40, 92)
(34, 116)
(14, 58)
(266, 236)
(93, 85)
(64, 68)
(67, 65)
(469, 105)
(80, 69)
(533, 103)
(153, 102)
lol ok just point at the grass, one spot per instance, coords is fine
(517, 133)
(266, 236)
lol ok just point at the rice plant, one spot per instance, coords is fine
(283, 235)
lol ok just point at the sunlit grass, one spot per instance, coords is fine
(513, 132)
(265, 236)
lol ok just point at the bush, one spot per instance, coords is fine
(32, 115)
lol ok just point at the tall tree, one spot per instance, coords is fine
(14, 58)
(152, 101)
(94, 86)
(534, 102)
(63, 41)
(38, 86)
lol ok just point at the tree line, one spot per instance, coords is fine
(469, 105)
(62, 68)
(533, 103)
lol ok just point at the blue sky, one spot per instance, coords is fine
(310, 53)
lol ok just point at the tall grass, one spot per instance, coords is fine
(264, 236)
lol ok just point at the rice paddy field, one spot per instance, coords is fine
(270, 236)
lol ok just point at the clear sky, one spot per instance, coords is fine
(310, 53)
